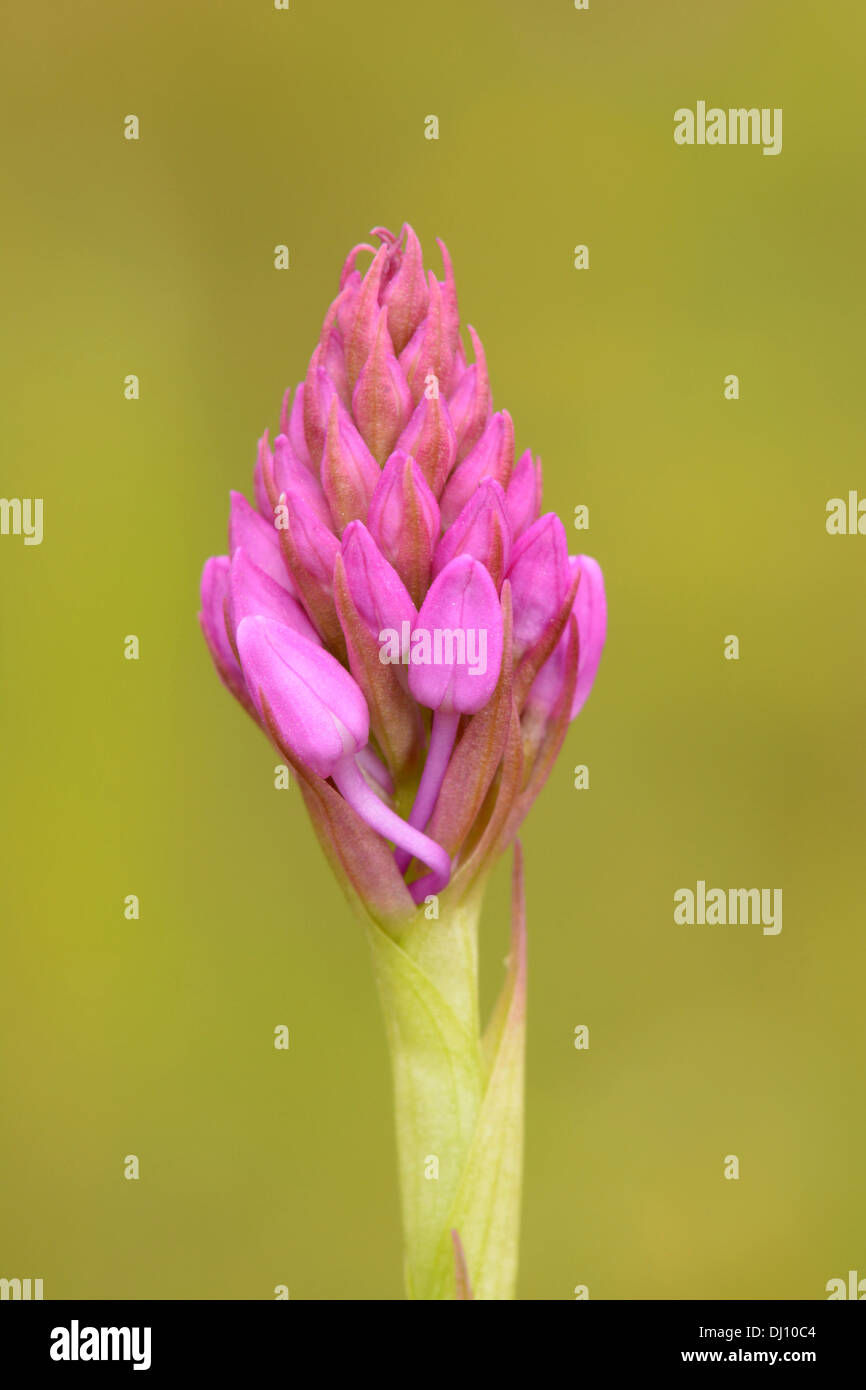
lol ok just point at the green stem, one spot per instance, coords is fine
(458, 1102)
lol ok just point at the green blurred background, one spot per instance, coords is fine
(155, 1037)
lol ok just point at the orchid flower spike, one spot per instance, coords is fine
(404, 622)
(395, 610)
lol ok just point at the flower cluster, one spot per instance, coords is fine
(390, 503)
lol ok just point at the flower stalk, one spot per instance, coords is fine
(458, 1099)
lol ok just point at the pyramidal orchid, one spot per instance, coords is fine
(407, 627)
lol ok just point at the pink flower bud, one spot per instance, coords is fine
(469, 403)
(378, 592)
(301, 487)
(481, 530)
(454, 664)
(461, 406)
(406, 294)
(214, 625)
(348, 301)
(450, 309)
(492, 457)
(318, 390)
(430, 439)
(310, 701)
(359, 339)
(430, 349)
(310, 550)
(252, 593)
(456, 647)
(315, 710)
(350, 286)
(523, 495)
(258, 538)
(404, 522)
(590, 609)
(293, 426)
(539, 576)
(332, 357)
(350, 474)
(381, 401)
(263, 467)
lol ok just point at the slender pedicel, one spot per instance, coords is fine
(378, 816)
(442, 736)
